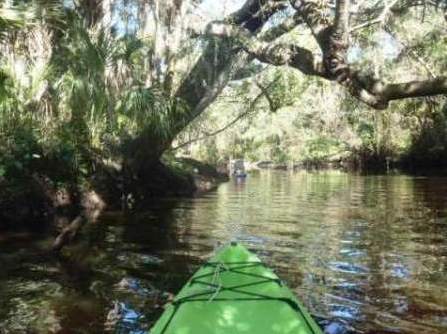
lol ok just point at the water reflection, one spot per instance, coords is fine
(369, 252)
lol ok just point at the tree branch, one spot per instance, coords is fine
(249, 110)
(410, 51)
(212, 134)
(284, 27)
(333, 41)
(254, 13)
(335, 55)
(315, 18)
(341, 22)
(197, 90)
(274, 54)
(270, 101)
(381, 19)
(395, 8)
(312, 14)
(431, 87)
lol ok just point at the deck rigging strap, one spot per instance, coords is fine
(216, 277)
(215, 288)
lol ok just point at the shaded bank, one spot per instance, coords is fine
(45, 196)
(421, 164)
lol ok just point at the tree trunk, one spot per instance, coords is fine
(220, 60)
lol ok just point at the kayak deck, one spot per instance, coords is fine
(235, 293)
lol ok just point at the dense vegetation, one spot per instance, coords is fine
(318, 127)
(95, 94)
(279, 115)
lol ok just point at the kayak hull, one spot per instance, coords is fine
(235, 293)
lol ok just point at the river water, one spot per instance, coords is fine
(366, 252)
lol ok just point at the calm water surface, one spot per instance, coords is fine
(368, 252)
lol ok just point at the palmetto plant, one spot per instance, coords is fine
(77, 86)
(151, 110)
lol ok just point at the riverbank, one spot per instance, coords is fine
(44, 197)
(375, 165)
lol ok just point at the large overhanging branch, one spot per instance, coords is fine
(431, 87)
(333, 41)
(275, 54)
(271, 35)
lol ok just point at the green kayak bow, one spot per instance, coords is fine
(234, 293)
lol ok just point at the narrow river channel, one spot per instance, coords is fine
(367, 252)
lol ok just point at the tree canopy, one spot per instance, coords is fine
(138, 73)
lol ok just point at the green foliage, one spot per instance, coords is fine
(317, 122)
(58, 108)
(321, 148)
(69, 88)
(150, 109)
(11, 19)
(429, 143)
(287, 86)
